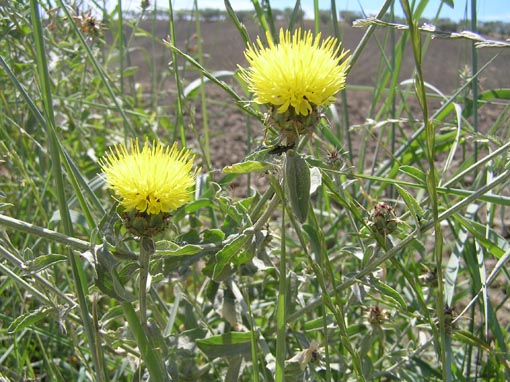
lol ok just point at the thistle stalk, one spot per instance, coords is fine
(146, 251)
(152, 360)
(281, 309)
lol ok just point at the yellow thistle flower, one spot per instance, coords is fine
(155, 180)
(299, 72)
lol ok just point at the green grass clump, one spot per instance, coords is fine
(396, 267)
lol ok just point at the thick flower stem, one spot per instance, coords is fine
(151, 358)
(269, 211)
(146, 251)
(281, 310)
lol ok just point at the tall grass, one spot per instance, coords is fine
(240, 289)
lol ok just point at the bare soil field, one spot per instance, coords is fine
(223, 49)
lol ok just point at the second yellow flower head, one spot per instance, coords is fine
(155, 180)
(299, 72)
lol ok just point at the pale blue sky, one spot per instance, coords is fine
(486, 9)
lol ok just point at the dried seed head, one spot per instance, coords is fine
(89, 25)
(377, 316)
(144, 4)
(429, 277)
(383, 219)
(449, 316)
(336, 159)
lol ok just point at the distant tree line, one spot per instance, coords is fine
(214, 15)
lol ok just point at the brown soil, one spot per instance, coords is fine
(223, 50)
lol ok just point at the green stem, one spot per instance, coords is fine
(281, 308)
(42, 232)
(179, 119)
(203, 98)
(146, 251)
(267, 213)
(151, 357)
(321, 265)
(431, 182)
(474, 74)
(448, 355)
(316, 18)
(261, 204)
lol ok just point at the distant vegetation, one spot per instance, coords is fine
(500, 28)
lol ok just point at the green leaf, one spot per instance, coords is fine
(213, 235)
(445, 112)
(411, 203)
(388, 291)
(452, 269)
(226, 255)
(45, 261)
(226, 345)
(330, 135)
(130, 71)
(483, 98)
(243, 32)
(468, 338)
(414, 173)
(318, 323)
(297, 179)
(234, 369)
(494, 243)
(243, 256)
(196, 205)
(169, 248)
(316, 238)
(107, 279)
(28, 319)
(462, 248)
(248, 167)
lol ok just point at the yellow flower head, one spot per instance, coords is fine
(298, 72)
(155, 180)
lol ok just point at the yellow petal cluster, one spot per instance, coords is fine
(155, 180)
(299, 72)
